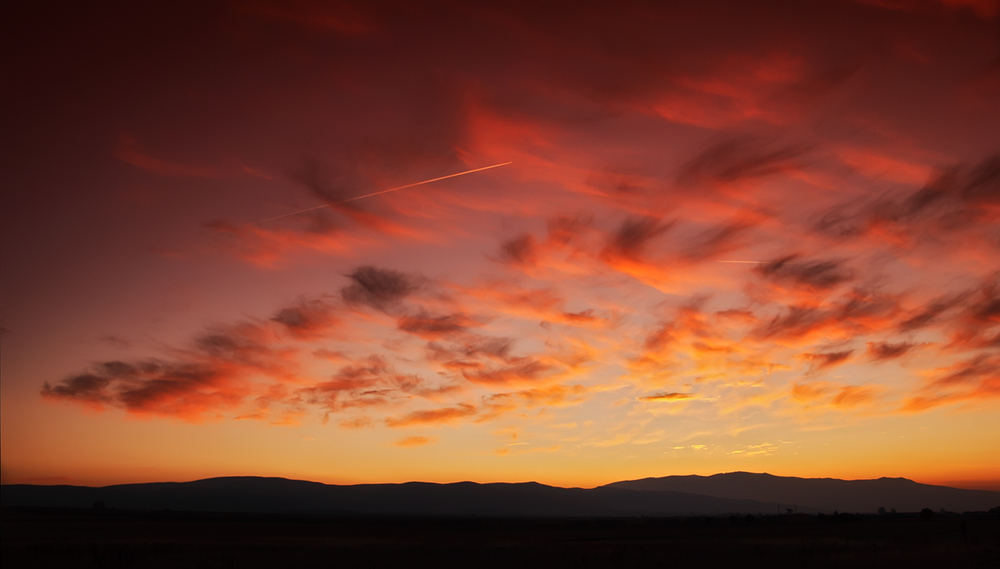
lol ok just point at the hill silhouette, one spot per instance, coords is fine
(733, 493)
(280, 495)
(823, 494)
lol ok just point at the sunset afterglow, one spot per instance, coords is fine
(356, 242)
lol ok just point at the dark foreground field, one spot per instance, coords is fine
(117, 539)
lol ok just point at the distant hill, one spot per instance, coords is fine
(722, 494)
(824, 494)
(280, 495)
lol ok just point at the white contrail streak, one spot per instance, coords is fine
(748, 262)
(385, 191)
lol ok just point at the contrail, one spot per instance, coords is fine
(386, 191)
(749, 262)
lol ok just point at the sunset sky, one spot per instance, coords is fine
(757, 236)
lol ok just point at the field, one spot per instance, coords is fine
(118, 539)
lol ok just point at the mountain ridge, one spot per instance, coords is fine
(719, 494)
(824, 494)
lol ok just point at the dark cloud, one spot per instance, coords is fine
(565, 228)
(881, 351)
(421, 142)
(618, 181)
(931, 312)
(584, 316)
(974, 379)
(242, 344)
(717, 240)
(856, 312)
(182, 390)
(521, 250)
(952, 201)
(818, 275)
(985, 307)
(982, 183)
(828, 359)
(974, 186)
(633, 235)
(740, 158)
(977, 324)
(431, 327)
(516, 370)
(178, 389)
(333, 186)
(983, 366)
(217, 374)
(667, 397)
(794, 322)
(839, 222)
(372, 382)
(469, 351)
(307, 318)
(86, 388)
(381, 289)
(867, 308)
(497, 348)
(562, 231)
(486, 360)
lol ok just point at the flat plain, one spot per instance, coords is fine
(105, 538)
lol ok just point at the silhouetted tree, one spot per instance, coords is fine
(926, 514)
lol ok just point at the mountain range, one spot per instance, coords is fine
(720, 494)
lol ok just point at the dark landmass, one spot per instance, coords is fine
(721, 494)
(824, 494)
(680, 521)
(42, 538)
(279, 495)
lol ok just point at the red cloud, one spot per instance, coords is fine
(843, 397)
(220, 373)
(185, 391)
(415, 441)
(518, 370)
(549, 396)
(975, 379)
(431, 327)
(828, 359)
(433, 416)
(880, 351)
(852, 395)
(656, 397)
(371, 383)
(308, 319)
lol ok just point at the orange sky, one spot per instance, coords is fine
(730, 237)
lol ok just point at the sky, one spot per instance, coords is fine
(709, 237)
